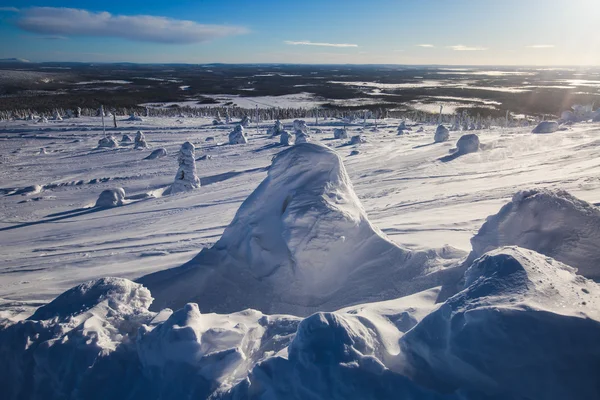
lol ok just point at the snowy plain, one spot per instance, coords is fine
(54, 239)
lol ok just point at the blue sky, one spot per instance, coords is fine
(459, 32)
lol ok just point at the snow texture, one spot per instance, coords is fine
(186, 178)
(276, 129)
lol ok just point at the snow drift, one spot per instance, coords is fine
(237, 135)
(553, 223)
(525, 327)
(301, 242)
(111, 198)
(546, 127)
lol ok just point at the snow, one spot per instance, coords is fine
(340, 133)
(468, 144)
(158, 153)
(442, 134)
(284, 138)
(546, 127)
(140, 140)
(377, 310)
(237, 135)
(300, 242)
(111, 198)
(186, 178)
(108, 141)
(550, 222)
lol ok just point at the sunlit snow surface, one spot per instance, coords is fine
(525, 326)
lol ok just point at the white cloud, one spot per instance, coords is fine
(309, 43)
(426, 45)
(541, 46)
(461, 47)
(9, 9)
(146, 28)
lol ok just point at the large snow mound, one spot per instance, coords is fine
(525, 327)
(553, 223)
(301, 242)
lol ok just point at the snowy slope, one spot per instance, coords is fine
(51, 242)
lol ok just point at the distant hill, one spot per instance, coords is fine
(14, 60)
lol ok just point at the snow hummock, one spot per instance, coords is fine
(140, 140)
(467, 144)
(357, 139)
(126, 139)
(108, 141)
(553, 223)
(301, 137)
(237, 135)
(186, 178)
(524, 327)
(442, 134)
(340, 133)
(546, 127)
(158, 153)
(111, 198)
(300, 242)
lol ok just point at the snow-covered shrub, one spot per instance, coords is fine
(140, 140)
(284, 138)
(245, 122)
(126, 139)
(276, 129)
(237, 135)
(441, 134)
(340, 133)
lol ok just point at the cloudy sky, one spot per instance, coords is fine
(458, 32)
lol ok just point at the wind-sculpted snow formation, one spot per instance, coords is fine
(301, 242)
(140, 140)
(442, 134)
(524, 326)
(553, 223)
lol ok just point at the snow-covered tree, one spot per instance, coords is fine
(186, 178)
